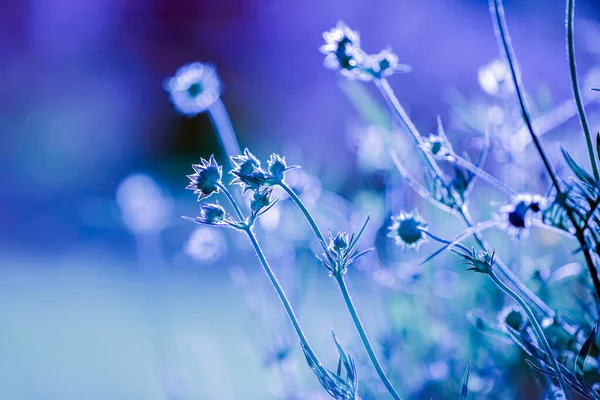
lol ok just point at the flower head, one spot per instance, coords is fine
(479, 261)
(385, 63)
(407, 230)
(277, 166)
(206, 179)
(517, 216)
(211, 214)
(342, 251)
(194, 88)
(261, 202)
(248, 172)
(513, 317)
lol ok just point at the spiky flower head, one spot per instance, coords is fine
(261, 202)
(407, 230)
(277, 166)
(210, 214)
(206, 179)
(248, 172)
(194, 88)
(342, 251)
(517, 216)
(513, 317)
(479, 261)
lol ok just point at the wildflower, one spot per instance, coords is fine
(260, 203)
(481, 262)
(342, 51)
(194, 88)
(342, 251)
(512, 317)
(437, 146)
(407, 230)
(212, 213)
(248, 172)
(516, 216)
(385, 63)
(277, 167)
(207, 178)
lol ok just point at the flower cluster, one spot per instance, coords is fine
(343, 52)
(407, 230)
(250, 175)
(194, 88)
(342, 251)
(518, 215)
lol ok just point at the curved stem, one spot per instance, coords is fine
(364, 338)
(282, 296)
(575, 83)
(234, 204)
(340, 280)
(222, 123)
(537, 329)
(307, 214)
(504, 40)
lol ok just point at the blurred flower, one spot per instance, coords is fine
(407, 230)
(342, 51)
(437, 145)
(206, 179)
(516, 216)
(206, 244)
(194, 88)
(513, 317)
(385, 63)
(277, 166)
(144, 207)
(495, 78)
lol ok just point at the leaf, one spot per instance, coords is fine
(582, 355)
(577, 170)
(465, 383)
(595, 89)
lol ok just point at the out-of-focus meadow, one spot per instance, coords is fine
(107, 293)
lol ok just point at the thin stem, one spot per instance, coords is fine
(481, 174)
(390, 97)
(282, 296)
(504, 39)
(505, 43)
(307, 214)
(575, 83)
(234, 204)
(364, 338)
(222, 123)
(359, 327)
(537, 329)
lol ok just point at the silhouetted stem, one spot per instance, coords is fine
(364, 338)
(504, 39)
(537, 329)
(359, 327)
(575, 83)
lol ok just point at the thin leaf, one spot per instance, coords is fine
(582, 355)
(577, 170)
(465, 383)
